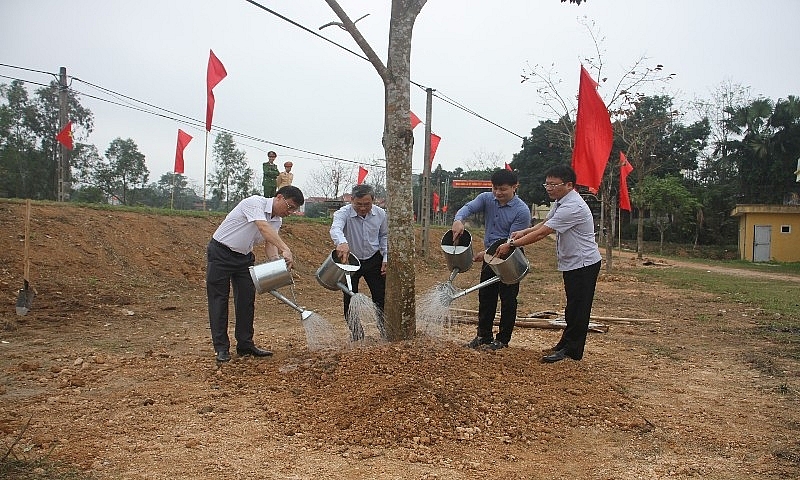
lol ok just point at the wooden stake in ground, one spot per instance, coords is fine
(26, 294)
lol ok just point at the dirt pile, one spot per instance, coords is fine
(114, 369)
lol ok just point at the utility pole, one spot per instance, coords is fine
(426, 174)
(63, 161)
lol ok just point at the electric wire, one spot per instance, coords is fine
(444, 98)
(178, 117)
(194, 122)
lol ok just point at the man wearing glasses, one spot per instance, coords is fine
(361, 228)
(578, 257)
(255, 220)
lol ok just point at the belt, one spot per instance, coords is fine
(222, 245)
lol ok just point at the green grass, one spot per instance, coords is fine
(779, 302)
(774, 296)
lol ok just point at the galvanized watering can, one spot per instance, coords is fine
(332, 273)
(457, 254)
(509, 270)
(269, 276)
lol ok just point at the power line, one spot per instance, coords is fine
(174, 116)
(26, 81)
(444, 98)
(304, 28)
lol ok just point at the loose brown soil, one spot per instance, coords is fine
(114, 369)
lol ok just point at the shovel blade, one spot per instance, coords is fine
(25, 299)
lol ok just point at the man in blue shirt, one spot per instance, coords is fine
(503, 213)
(578, 257)
(361, 228)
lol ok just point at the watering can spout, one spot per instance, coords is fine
(344, 288)
(453, 274)
(304, 314)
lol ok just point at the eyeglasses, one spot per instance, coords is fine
(289, 207)
(552, 185)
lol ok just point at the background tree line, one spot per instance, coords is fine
(29, 159)
(687, 177)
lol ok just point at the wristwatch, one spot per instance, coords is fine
(511, 242)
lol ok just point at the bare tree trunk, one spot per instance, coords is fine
(398, 142)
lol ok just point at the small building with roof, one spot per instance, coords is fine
(768, 232)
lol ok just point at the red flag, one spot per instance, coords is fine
(215, 73)
(508, 167)
(444, 208)
(434, 145)
(593, 134)
(183, 140)
(414, 120)
(624, 169)
(362, 174)
(64, 137)
(435, 202)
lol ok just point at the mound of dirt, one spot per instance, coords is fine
(113, 368)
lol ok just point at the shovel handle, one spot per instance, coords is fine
(26, 251)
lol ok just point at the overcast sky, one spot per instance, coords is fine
(291, 88)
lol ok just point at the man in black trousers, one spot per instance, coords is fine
(255, 220)
(578, 257)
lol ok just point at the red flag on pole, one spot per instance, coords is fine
(435, 202)
(508, 167)
(215, 73)
(64, 137)
(624, 169)
(183, 140)
(414, 120)
(434, 145)
(593, 134)
(362, 174)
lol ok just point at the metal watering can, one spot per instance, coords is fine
(332, 273)
(458, 256)
(269, 276)
(509, 270)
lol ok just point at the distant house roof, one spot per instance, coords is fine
(743, 209)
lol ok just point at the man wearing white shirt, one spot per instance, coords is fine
(361, 228)
(255, 220)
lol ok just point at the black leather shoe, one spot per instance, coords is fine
(254, 351)
(495, 345)
(223, 356)
(478, 341)
(554, 348)
(556, 356)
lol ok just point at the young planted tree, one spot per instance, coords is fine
(398, 141)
